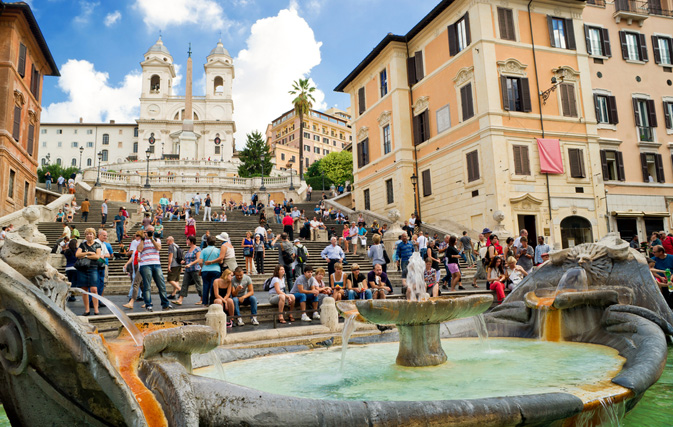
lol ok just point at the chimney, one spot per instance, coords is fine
(112, 122)
(81, 120)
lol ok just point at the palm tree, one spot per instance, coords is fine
(303, 102)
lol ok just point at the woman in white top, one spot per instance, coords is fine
(227, 252)
(277, 293)
(354, 232)
(515, 273)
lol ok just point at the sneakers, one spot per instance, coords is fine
(239, 322)
(230, 324)
(316, 315)
(149, 308)
(168, 307)
(305, 318)
(254, 321)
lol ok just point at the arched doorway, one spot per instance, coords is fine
(575, 230)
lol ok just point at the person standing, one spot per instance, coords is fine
(333, 254)
(288, 226)
(541, 248)
(174, 266)
(103, 212)
(106, 255)
(87, 277)
(227, 257)
(301, 256)
(190, 227)
(285, 255)
(206, 209)
(248, 251)
(522, 233)
(404, 251)
(71, 185)
(663, 262)
(197, 204)
(466, 243)
(119, 221)
(163, 202)
(192, 263)
(422, 244)
(277, 213)
(150, 268)
(243, 293)
(86, 205)
(60, 182)
(525, 255)
(47, 180)
(259, 251)
(375, 253)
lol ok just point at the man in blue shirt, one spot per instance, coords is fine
(332, 253)
(404, 251)
(663, 261)
(106, 254)
(542, 248)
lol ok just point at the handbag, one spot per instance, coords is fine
(247, 252)
(82, 264)
(386, 258)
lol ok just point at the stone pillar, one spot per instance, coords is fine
(394, 232)
(329, 315)
(216, 318)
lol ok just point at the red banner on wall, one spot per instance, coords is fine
(550, 155)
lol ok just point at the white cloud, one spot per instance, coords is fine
(177, 80)
(112, 18)
(87, 11)
(91, 97)
(160, 14)
(279, 50)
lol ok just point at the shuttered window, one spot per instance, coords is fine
(361, 100)
(415, 68)
(521, 160)
(612, 164)
(390, 195)
(421, 127)
(653, 167)
(568, 101)
(668, 114)
(363, 153)
(576, 160)
(16, 130)
(606, 109)
(645, 117)
(506, 24)
(21, 67)
(31, 138)
(634, 46)
(598, 41)
(35, 82)
(515, 94)
(366, 199)
(459, 35)
(561, 33)
(427, 183)
(663, 50)
(472, 161)
(467, 105)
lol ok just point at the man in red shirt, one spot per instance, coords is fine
(288, 226)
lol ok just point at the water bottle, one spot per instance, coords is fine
(668, 274)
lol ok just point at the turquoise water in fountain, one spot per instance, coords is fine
(512, 367)
(656, 407)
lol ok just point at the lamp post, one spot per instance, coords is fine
(414, 181)
(81, 150)
(289, 166)
(263, 188)
(100, 158)
(147, 177)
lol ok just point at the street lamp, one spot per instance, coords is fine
(147, 177)
(100, 158)
(289, 166)
(81, 150)
(263, 188)
(414, 181)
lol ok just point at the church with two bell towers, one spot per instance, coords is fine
(186, 127)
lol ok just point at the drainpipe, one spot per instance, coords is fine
(417, 200)
(539, 104)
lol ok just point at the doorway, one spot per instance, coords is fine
(575, 230)
(529, 223)
(627, 227)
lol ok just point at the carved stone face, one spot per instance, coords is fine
(394, 215)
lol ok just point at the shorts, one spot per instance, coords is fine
(453, 268)
(275, 298)
(174, 274)
(348, 239)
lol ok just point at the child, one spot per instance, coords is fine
(430, 276)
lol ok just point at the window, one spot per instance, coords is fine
(282, 156)
(135, 132)
(663, 50)
(31, 140)
(74, 144)
(58, 161)
(10, 189)
(421, 127)
(135, 147)
(634, 46)
(653, 167)
(561, 32)
(105, 154)
(521, 160)
(576, 160)
(35, 82)
(316, 150)
(59, 131)
(155, 84)
(59, 144)
(466, 101)
(73, 162)
(26, 191)
(598, 41)
(74, 131)
(606, 109)
(325, 140)
(568, 101)
(307, 135)
(16, 130)
(362, 105)
(383, 79)
(472, 166)
(668, 114)
(515, 94)
(90, 132)
(427, 183)
(151, 149)
(306, 162)
(387, 143)
(44, 161)
(21, 67)
(292, 159)
(307, 148)
(363, 153)
(316, 138)
(366, 198)
(89, 162)
(459, 35)
(415, 68)
(43, 131)
(390, 194)
(120, 144)
(612, 163)
(325, 152)
(506, 24)
(44, 144)
(217, 149)
(106, 139)
(89, 145)
(645, 117)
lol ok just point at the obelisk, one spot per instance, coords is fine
(189, 148)
(188, 89)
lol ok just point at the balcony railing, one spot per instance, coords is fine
(645, 134)
(597, 2)
(637, 10)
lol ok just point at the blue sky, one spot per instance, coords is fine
(98, 46)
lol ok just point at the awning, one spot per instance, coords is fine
(550, 155)
(635, 214)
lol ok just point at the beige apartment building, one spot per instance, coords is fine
(630, 48)
(447, 122)
(324, 133)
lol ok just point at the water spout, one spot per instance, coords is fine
(482, 331)
(123, 317)
(216, 363)
(415, 280)
(349, 327)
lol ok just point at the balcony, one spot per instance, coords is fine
(631, 10)
(600, 3)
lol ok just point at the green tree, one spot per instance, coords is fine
(338, 166)
(313, 177)
(56, 170)
(251, 156)
(303, 102)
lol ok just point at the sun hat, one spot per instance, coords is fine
(224, 236)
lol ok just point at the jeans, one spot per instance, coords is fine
(120, 233)
(279, 219)
(47, 184)
(424, 252)
(101, 280)
(163, 207)
(88, 278)
(354, 295)
(259, 262)
(208, 295)
(148, 272)
(251, 301)
(197, 206)
(403, 264)
(300, 297)
(85, 216)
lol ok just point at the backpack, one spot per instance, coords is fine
(286, 254)
(179, 255)
(301, 254)
(267, 284)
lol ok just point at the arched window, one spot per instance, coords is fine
(106, 139)
(105, 155)
(155, 84)
(44, 161)
(58, 161)
(180, 115)
(575, 230)
(218, 85)
(135, 148)
(73, 162)
(89, 162)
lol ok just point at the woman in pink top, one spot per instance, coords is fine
(346, 236)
